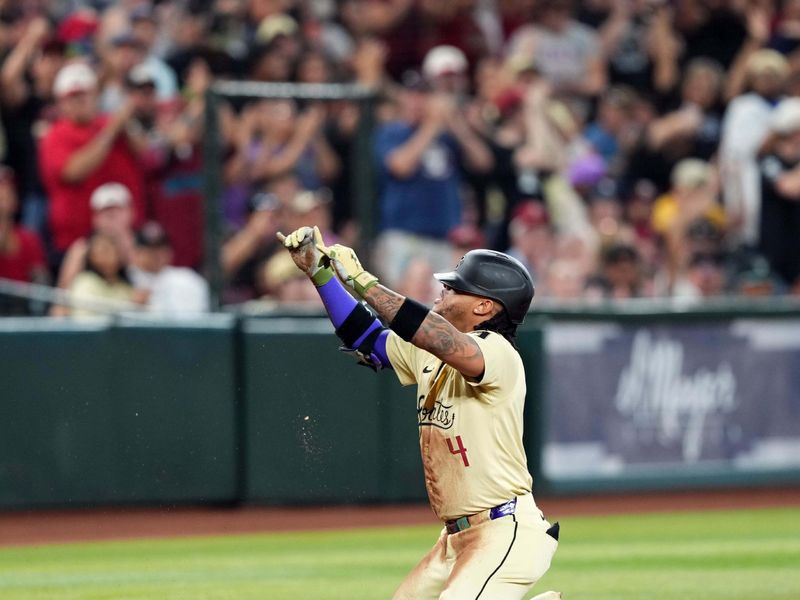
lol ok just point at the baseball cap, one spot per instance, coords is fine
(620, 252)
(605, 189)
(508, 100)
(691, 173)
(413, 80)
(125, 38)
(716, 259)
(263, 201)
(621, 96)
(73, 78)
(520, 63)
(642, 189)
(141, 75)
(307, 200)
(152, 235)
(110, 194)
(79, 25)
(704, 229)
(586, 170)
(530, 214)
(143, 12)
(275, 25)
(444, 60)
(467, 237)
(766, 60)
(785, 119)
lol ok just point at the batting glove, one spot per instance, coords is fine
(349, 269)
(308, 251)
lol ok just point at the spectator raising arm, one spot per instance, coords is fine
(307, 134)
(86, 160)
(613, 28)
(404, 161)
(664, 49)
(14, 89)
(477, 155)
(758, 25)
(544, 149)
(327, 163)
(244, 245)
(682, 123)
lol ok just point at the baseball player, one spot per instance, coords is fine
(495, 543)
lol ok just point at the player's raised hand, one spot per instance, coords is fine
(306, 247)
(349, 269)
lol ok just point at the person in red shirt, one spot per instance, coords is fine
(21, 251)
(83, 150)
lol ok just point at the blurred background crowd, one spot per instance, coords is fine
(619, 148)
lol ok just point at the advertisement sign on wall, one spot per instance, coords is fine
(639, 399)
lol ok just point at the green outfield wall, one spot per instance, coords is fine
(95, 413)
(268, 411)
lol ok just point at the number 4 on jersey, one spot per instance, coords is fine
(458, 450)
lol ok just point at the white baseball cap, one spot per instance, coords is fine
(72, 78)
(691, 173)
(443, 60)
(785, 118)
(110, 194)
(141, 74)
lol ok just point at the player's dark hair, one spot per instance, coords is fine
(501, 323)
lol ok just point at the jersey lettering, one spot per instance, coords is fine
(441, 415)
(459, 450)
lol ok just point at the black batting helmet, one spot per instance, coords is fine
(493, 275)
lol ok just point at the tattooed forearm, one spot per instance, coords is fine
(384, 301)
(439, 337)
(436, 334)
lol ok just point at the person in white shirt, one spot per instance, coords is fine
(174, 291)
(744, 128)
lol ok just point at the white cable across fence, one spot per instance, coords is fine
(51, 295)
(296, 91)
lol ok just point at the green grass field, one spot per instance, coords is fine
(704, 555)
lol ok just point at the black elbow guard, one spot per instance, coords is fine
(354, 326)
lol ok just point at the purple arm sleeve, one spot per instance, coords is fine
(380, 348)
(337, 301)
(339, 304)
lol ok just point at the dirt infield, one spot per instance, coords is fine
(42, 527)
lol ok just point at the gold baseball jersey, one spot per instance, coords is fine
(470, 431)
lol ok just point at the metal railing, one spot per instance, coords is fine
(361, 169)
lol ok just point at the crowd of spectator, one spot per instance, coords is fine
(619, 148)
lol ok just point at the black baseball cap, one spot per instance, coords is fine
(152, 235)
(263, 201)
(716, 259)
(413, 80)
(620, 252)
(704, 229)
(143, 12)
(11, 15)
(125, 39)
(605, 189)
